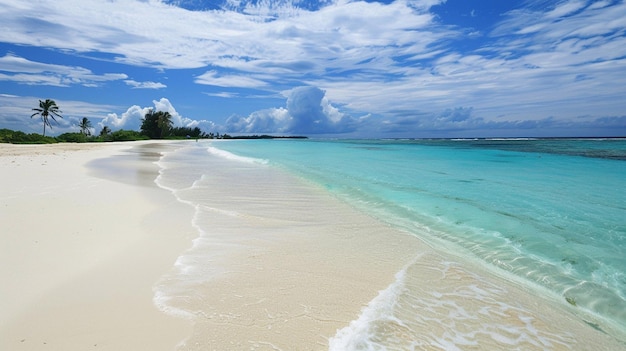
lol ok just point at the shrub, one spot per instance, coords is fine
(126, 135)
(73, 138)
(18, 137)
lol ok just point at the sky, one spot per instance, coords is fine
(331, 68)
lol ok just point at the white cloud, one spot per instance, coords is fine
(223, 94)
(132, 118)
(563, 67)
(25, 71)
(599, 4)
(307, 112)
(566, 8)
(213, 78)
(166, 106)
(247, 39)
(274, 120)
(33, 79)
(145, 85)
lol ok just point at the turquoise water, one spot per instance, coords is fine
(550, 212)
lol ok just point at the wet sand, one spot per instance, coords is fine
(281, 264)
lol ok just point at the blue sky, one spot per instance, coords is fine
(411, 68)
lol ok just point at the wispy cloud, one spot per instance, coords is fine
(214, 78)
(223, 94)
(145, 85)
(24, 71)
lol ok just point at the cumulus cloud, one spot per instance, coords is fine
(305, 107)
(307, 112)
(131, 119)
(273, 120)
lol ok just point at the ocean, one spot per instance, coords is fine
(549, 214)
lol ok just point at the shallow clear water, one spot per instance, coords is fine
(550, 212)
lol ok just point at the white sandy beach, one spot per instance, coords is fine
(82, 250)
(79, 255)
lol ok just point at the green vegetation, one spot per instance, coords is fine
(72, 138)
(118, 135)
(84, 125)
(47, 109)
(105, 131)
(125, 135)
(156, 125)
(17, 137)
(188, 132)
(159, 125)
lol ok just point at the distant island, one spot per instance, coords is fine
(263, 137)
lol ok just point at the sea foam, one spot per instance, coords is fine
(234, 157)
(449, 309)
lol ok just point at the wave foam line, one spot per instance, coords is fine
(230, 156)
(359, 334)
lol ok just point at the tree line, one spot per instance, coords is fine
(154, 125)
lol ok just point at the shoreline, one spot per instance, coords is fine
(92, 241)
(81, 253)
(278, 263)
(287, 265)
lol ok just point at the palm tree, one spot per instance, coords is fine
(149, 125)
(105, 131)
(47, 109)
(156, 124)
(84, 125)
(164, 122)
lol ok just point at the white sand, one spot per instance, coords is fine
(79, 255)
